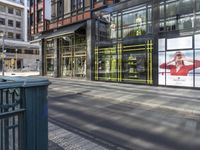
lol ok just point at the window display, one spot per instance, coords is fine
(134, 65)
(107, 64)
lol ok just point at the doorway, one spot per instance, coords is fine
(73, 62)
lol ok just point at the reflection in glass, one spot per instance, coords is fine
(50, 66)
(107, 64)
(66, 67)
(134, 23)
(80, 66)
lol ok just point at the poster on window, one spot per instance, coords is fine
(197, 70)
(179, 68)
(161, 75)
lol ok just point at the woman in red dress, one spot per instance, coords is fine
(180, 69)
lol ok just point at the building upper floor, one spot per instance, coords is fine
(51, 14)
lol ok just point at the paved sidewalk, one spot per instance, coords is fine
(61, 139)
(127, 116)
(176, 99)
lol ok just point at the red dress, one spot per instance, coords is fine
(183, 71)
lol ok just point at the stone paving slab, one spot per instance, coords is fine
(61, 139)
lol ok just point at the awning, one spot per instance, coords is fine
(63, 31)
(18, 44)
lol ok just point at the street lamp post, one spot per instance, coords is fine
(3, 52)
(16, 59)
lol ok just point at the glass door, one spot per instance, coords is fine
(80, 66)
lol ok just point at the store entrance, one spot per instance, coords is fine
(74, 61)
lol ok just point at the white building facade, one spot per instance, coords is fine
(19, 53)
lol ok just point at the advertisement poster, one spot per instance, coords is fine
(179, 68)
(161, 70)
(197, 70)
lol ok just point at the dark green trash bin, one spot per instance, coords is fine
(24, 98)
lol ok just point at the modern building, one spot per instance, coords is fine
(152, 42)
(18, 52)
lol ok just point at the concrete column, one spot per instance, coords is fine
(25, 21)
(42, 58)
(156, 13)
(90, 35)
(55, 58)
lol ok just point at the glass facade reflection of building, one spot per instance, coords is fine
(124, 44)
(149, 42)
(179, 63)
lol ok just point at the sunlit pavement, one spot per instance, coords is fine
(124, 116)
(19, 73)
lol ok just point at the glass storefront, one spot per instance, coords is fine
(73, 56)
(179, 14)
(178, 45)
(124, 46)
(69, 54)
(49, 57)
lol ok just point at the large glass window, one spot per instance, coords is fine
(179, 15)
(135, 22)
(49, 54)
(179, 64)
(134, 65)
